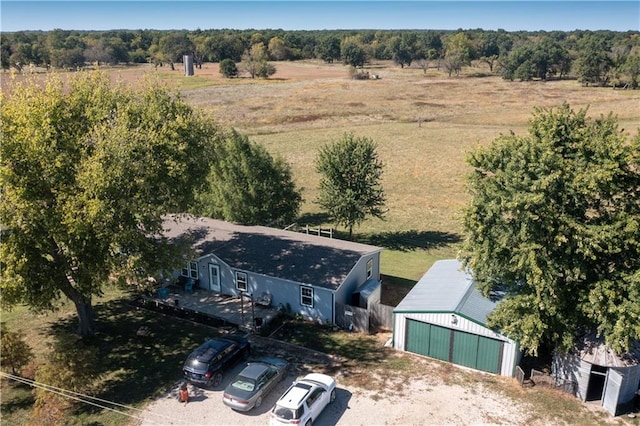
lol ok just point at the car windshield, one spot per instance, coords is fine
(244, 383)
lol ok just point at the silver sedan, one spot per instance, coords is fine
(254, 382)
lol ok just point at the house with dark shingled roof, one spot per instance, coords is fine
(301, 273)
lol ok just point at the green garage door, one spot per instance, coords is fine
(489, 355)
(439, 343)
(481, 353)
(465, 349)
(428, 339)
(417, 337)
(470, 350)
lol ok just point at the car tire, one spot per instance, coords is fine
(258, 402)
(332, 397)
(216, 379)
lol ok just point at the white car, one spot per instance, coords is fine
(303, 402)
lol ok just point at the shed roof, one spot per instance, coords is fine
(593, 350)
(447, 287)
(289, 255)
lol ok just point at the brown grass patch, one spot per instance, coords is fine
(303, 118)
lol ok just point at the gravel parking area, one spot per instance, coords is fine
(418, 404)
(415, 402)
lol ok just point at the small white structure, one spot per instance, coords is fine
(444, 317)
(598, 374)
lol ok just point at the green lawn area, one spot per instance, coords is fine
(132, 370)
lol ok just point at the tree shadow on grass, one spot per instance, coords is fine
(410, 240)
(356, 350)
(400, 241)
(135, 368)
(314, 219)
(20, 398)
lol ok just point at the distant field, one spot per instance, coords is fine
(424, 124)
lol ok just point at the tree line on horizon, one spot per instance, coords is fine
(601, 58)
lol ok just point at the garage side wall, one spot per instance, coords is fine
(510, 351)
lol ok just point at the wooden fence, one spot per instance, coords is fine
(382, 316)
(319, 231)
(540, 378)
(364, 320)
(310, 230)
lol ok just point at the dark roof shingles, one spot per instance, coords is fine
(272, 252)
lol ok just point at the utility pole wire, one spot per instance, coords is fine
(79, 397)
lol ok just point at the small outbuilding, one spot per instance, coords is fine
(444, 317)
(599, 374)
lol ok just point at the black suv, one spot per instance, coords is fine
(206, 364)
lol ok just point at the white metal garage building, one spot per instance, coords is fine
(444, 317)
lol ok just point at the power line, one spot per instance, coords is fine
(84, 398)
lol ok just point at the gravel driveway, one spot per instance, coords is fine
(419, 405)
(415, 402)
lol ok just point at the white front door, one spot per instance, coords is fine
(214, 277)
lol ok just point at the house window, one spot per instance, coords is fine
(190, 270)
(369, 268)
(306, 296)
(241, 281)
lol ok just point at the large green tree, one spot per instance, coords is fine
(458, 53)
(328, 48)
(350, 183)
(87, 170)
(175, 45)
(554, 221)
(249, 186)
(254, 62)
(594, 64)
(353, 52)
(536, 60)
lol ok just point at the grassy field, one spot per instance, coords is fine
(423, 124)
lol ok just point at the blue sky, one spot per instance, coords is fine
(321, 15)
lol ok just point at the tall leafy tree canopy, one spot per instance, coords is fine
(254, 62)
(594, 62)
(352, 52)
(350, 185)
(554, 221)
(87, 170)
(248, 186)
